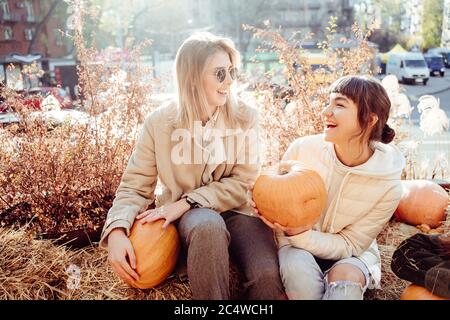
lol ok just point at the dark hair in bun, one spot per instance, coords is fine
(388, 134)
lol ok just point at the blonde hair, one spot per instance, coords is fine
(190, 66)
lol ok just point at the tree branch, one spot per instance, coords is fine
(41, 24)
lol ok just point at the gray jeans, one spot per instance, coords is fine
(208, 238)
(305, 277)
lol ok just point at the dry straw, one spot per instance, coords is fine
(37, 270)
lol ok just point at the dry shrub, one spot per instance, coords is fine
(64, 177)
(306, 89)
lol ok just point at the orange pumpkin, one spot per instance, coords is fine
(293, 195)
(422, 202)
(156, 251)
(415, 292)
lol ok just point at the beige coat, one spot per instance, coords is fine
(363, 205)
(216, 180)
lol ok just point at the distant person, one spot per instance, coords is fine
(206, 200)
(380, 65)
(46, 80)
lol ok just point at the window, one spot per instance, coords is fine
(415, 63)
(5, 8)
(7, 33)
(28, 34)
(30, 11)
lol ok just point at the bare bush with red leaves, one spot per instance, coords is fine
(64, 177)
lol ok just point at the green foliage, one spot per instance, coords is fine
(432, 23)
(390, 14)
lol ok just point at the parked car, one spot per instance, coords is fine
(444, 52)
(435, 64)
(408, 67)
(42, 92)
(35, 96)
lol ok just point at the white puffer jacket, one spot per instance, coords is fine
(363, 205)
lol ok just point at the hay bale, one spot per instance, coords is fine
(31, 269)
(40, 270)
(395, 232)
(98, 281)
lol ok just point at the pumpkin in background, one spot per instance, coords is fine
(156, 251)
(293, 196)
(422, 202)
(415, 292)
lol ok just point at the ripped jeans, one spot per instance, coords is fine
(306, 277)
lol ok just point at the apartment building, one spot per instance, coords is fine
(24, 41)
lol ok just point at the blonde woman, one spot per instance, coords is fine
(200, 146)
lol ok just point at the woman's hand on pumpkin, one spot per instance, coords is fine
(287, 230)
(293, 231)
(169, 212)
(121, 255)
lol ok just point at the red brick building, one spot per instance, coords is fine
(19, 24)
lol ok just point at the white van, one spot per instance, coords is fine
(408, 67)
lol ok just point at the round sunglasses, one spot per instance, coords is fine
(221, 73)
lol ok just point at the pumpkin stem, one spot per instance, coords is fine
(283, 171)
(284, 168)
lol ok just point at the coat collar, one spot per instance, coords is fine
(217, 123)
